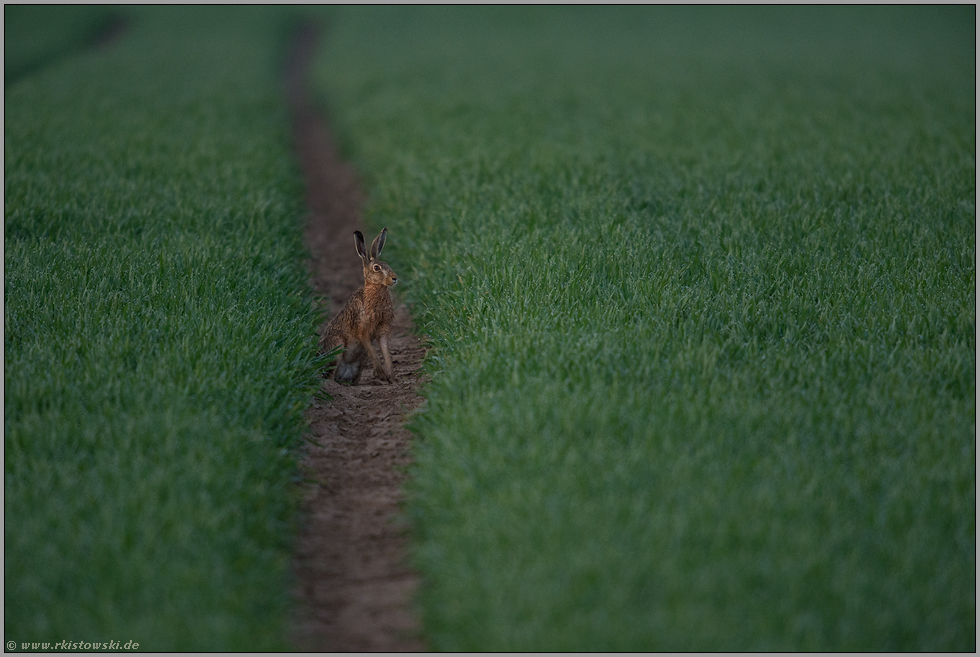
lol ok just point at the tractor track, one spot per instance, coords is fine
(354, 588)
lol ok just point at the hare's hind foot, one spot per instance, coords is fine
(347, 372)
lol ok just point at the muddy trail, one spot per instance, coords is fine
(354, 587)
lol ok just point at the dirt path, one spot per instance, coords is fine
(354, 587)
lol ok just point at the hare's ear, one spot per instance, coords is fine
(359, 245)
(378, 244)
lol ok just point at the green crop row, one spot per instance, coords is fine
(700, 286)
(159, 343)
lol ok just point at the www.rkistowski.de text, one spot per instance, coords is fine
(73, 645)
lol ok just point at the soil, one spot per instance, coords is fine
(354, 587)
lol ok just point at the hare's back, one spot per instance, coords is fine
(347, 320)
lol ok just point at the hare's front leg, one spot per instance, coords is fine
(383, 343)
(379, 371)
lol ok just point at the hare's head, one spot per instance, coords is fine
(376, 272)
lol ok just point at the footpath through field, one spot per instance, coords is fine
(353, 585)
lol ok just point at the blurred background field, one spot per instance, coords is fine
(700, 284)
(37, 35)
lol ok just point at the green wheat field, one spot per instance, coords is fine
(698, 283)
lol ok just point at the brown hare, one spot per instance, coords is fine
(366, 316)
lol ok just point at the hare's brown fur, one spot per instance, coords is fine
(366, 317)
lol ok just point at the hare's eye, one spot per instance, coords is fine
(377, 268)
